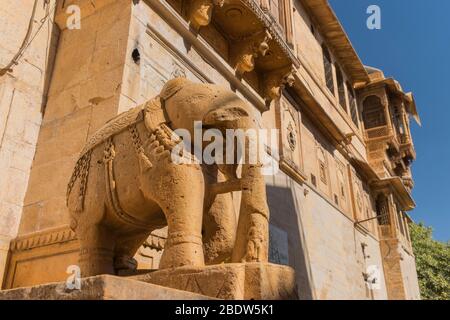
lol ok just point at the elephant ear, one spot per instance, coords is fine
(154, 114)
(222, 115)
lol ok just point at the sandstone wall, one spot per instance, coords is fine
(324, 247)
(22, 99)
(84, 94)
(409, 273)
(309, 51)
(337, 258)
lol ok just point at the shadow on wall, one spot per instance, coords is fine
(50, 63)
(284, 220)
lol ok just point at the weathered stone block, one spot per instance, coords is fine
(100, 288)
(234, 281)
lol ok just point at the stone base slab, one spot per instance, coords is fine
(104, 287)
(234, 281)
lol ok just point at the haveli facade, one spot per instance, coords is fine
(338, 206)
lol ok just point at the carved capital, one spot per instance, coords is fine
(275, 81)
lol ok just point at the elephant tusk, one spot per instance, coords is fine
(226, 186)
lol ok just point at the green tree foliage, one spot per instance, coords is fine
(433, 263)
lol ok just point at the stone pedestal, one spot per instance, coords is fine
(103, 287)
(234, 281)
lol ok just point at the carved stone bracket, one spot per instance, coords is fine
(275, 81)
(200, 12)
(245, 51)
(255, 7)
(200, 15)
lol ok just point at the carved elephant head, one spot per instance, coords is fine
(187, 103)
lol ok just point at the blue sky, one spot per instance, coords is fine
(413, 46)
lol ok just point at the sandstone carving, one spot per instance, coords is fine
(246, 50)
(276, 81)
(125, 185)
(200, 13)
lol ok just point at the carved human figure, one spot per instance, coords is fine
(125, 184)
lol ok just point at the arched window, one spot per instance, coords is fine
(373, 113)
(328, 68)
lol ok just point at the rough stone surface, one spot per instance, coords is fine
(22, 96)
(100, 288)
(234, 281)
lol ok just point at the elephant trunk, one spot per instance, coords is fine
(252, 238)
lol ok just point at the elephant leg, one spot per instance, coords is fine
(181, 197)
(184, 245)
(96, 250)
(219, 221)
(219, 227)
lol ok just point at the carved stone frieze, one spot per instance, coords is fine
(43, 238)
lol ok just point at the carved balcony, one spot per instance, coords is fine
(407, 148)
(252, 41)
(383, 134)
(378, 133)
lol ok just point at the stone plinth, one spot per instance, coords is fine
(234, 281)
(103, 287)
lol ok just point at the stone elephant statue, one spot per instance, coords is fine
(125, 184)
